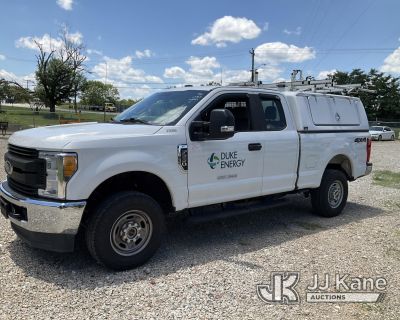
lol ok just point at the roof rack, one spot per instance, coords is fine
(309, 84)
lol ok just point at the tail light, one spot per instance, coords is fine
(368, 149)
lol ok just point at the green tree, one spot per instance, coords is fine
(77, 87)
(385, 102)
(12, 90)
(96, 93)
(58, 71)
(125, 103)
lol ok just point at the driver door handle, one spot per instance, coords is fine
(255, 146)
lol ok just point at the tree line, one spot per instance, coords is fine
(384, 103)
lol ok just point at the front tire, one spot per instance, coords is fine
(392, 138)
(125, 230)
(330, 198)
(380, 138)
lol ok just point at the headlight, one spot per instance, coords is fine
(60, 167)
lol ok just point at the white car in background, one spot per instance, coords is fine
(381, 133)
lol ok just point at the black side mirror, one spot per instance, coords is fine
(222, 124)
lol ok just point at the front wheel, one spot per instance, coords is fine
(331, 197)
(380, 138)
(392, 138)
(125, 230)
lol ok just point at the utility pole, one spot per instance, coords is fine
(252, 64)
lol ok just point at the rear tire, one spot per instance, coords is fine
(392, 138)
(330, 198)
(125, 230)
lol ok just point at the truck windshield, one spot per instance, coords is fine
(162, 108)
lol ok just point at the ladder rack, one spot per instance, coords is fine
(309, 84)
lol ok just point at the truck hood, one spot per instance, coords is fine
(57, 137)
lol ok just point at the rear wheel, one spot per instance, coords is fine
(331, 197)
(125, 231)
(392, 138)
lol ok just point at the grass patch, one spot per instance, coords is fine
(387, 179)
(26, 118)
(393, 252)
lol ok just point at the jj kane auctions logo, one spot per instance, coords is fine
(224, 160)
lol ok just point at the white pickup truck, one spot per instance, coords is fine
(205, 150)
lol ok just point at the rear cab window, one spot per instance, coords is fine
(274, 116)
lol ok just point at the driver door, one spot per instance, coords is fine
(231, 169)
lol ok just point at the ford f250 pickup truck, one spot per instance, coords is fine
(189, 150)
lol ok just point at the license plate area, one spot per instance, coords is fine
(9, 209)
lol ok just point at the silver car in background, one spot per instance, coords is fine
(381, 133)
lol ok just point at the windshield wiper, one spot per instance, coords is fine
(134, 120)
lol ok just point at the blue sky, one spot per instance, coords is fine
(146, 45)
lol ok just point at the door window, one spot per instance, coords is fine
(273, 114)
(239, 105)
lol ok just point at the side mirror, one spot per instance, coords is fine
(222, 124)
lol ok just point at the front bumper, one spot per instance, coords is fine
(50, 225)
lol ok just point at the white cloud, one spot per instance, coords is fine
(94, 51)
(228, 29)
(201, 70)
(2, 57)
(4, 74)
(144, 54)
(130, 82)
(325, 73)
(269, 73)
(202, 67)
(174, 73)
(278, 52)
(392, 62)
(65, 4)
(231, 76)
(296, 32)
(47, 41)
(123, 70)
(208, 69)
(75, 37)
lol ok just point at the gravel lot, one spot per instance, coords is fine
(211, 270)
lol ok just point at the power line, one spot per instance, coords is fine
(352, 24)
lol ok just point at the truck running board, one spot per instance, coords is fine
(226, 210)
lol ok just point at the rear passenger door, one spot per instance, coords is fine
(281, 145)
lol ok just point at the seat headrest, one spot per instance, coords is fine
(270, 113)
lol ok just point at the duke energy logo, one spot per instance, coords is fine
(224, 160)
(213, 161)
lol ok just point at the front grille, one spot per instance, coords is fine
(22, 188)
(23, 152)
(28, 170)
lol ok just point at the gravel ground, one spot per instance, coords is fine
(210, 271)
